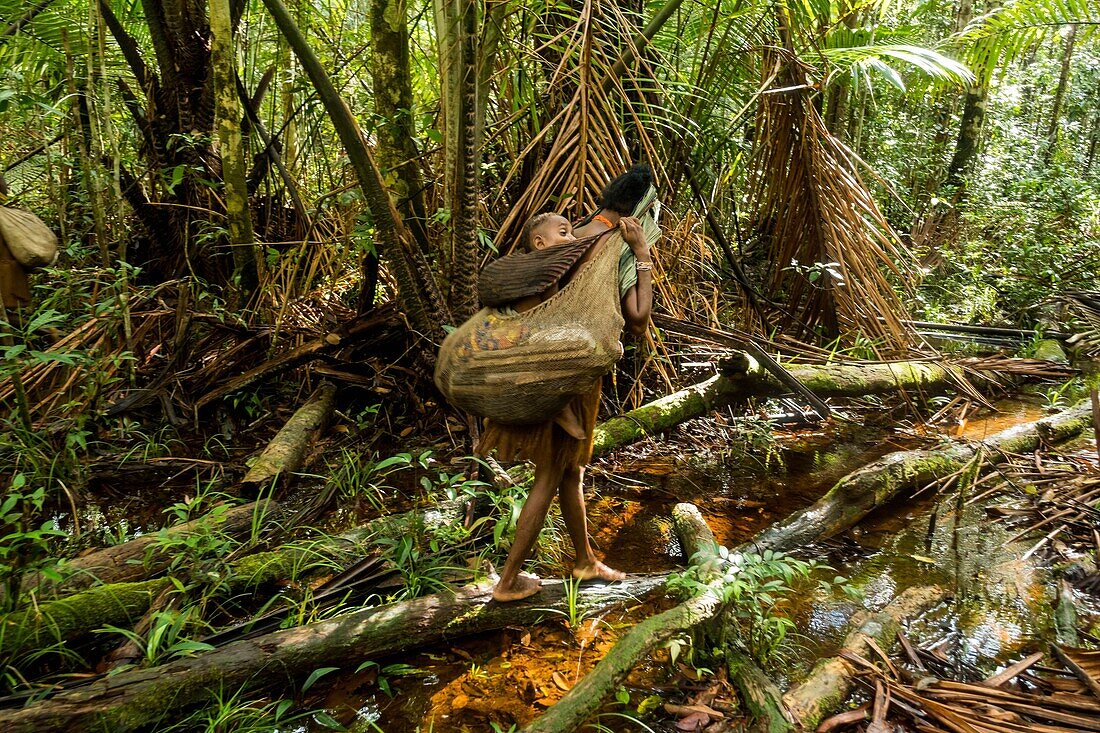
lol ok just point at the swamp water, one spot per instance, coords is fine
(1003, 605)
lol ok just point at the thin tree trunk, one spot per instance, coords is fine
(417, 289)
(1060, 94)
(227, 120)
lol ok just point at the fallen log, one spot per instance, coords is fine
(831, 680)
(149, 554)
(759, 693)
(744, 377)
(880, 481)
(569, 713)
(866, 488)
(287, 450)
(139, 698)
(121, 604)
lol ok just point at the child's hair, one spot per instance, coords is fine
(532, 224)
(624, 192)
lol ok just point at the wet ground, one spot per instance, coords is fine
(1002, 602)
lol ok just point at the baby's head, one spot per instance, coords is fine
(547, 230)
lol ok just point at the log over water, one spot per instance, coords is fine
(132, 700)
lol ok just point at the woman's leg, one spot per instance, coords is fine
(512, 586)
(571, 494)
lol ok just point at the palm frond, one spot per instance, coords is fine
(1004, 34)
(853, 60)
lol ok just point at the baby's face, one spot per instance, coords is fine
(552, 232)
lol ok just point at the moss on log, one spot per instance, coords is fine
(287, 450)
(750, 380)
(880, 481)
(760, 695)
(139, 698)
(57, 622)
(830, 682)
(569, 713)
(143, 556)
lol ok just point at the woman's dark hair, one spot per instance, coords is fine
(624, 192)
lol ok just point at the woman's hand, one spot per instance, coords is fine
(634, 236)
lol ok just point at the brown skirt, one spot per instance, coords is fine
(545, 442)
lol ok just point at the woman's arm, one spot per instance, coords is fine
(637, 303)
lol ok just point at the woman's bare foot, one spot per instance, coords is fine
(524, 586)
(597, 571)
(568, 421)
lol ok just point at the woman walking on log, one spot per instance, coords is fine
(561, 446)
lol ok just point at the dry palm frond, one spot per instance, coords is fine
(588, 146)
(989, 706)
(829, 245)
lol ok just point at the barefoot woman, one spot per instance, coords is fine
(559, 457)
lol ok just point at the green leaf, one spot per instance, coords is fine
(316, 675)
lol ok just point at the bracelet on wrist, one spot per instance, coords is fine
(643, 266)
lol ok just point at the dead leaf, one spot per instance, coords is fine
(693, 722)
(560, 681)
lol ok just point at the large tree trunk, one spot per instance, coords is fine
(877, 483)
(750, 380)
(393, 108)
(142, 557)
(132, 700)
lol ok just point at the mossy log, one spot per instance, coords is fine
(831, 680)
(287, 450)
(57, 622)
(139, 698)
(122, 604)
(880, 481)
(569, 713)
(759, 693)
(747, 379)
(149, 554)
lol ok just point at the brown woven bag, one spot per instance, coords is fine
(523, 368)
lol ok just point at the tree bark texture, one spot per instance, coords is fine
(418, 290)
(227, 121)
(872, 486)
(393, 109)
(135, 699)
(832, 680)
(1060, 94)
(140, 557)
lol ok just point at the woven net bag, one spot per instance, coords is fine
(523, 368)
